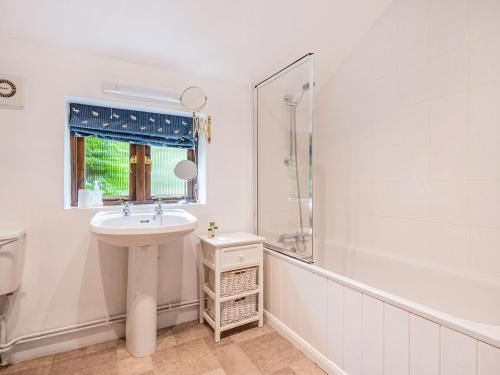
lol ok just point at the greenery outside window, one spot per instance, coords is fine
(128, 172)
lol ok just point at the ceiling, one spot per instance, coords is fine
(235, 40)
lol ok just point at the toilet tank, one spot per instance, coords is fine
(11, 258)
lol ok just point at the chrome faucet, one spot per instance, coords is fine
(158, 209)
(126, 208)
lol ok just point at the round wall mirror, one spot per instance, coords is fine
(194, 99)
(186, 170)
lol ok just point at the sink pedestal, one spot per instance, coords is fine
(142, 289)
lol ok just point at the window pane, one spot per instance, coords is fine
(164, 182)
(107, 162)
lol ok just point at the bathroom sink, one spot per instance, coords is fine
(142, 233)
(142, 228)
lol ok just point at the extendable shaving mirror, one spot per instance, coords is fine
(193, 99)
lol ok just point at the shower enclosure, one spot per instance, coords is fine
(283, 134)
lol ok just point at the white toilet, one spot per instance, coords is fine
(11, 258)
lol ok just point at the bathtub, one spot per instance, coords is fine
(356, 312)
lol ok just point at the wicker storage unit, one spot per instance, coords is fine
(234, 282)
(231, 281)
(234, 310)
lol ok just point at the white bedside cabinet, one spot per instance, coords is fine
(231, 281)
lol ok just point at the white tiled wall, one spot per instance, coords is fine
(407, 137)
(363, 335)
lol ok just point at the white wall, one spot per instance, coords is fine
(409, 129)
(67, 278)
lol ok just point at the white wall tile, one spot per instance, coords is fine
(448, 28)
(489, 359)
(424, 346)
(448, 159)
(413, 83)
(485, 254)
(485, 60)
(335, 323)
(448, 73)
(458, 353)
(411, 38)
(449, 245)
(485, 132)
(437, 6)
(353, 339)
(401, 199)
(396, 361)
(401, 237)
(360, 230)
(485, 203)
(449, 202)
(373, 333)
(484, 16)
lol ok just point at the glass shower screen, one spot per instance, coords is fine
(284, 108)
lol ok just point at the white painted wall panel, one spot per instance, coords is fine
(424, 346)
(396, 361)
(268, 259)
(373, 333)
(295, 294)
(321, 321)
(335, 323)
(458, 353)
(489, 359)
(276, 284)
(353, 337)
(285, 293)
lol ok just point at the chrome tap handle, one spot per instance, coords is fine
(159, 208)
(126, 207)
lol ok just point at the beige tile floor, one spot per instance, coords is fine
(186, 349)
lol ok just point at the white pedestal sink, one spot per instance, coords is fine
(142, 233)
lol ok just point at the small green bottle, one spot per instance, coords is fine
(211, 229)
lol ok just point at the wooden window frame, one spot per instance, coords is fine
(140, 175)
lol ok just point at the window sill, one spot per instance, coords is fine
(136, 207)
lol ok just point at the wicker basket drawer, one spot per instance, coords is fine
(234, 282)
(235, 310)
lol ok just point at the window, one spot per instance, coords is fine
(128, 169)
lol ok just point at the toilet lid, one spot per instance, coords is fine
(10, 233)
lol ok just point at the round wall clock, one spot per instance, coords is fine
(7, 88)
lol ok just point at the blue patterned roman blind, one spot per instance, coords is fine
(145, 128)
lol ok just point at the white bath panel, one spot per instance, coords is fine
(489, 359)
(335, 323)
(276, 287)
(373, 333)
(295, 294)
(353, 335)
(267, 281)
(321, 313)
(458, 353)
(424, 346)
(285, 293)
(396, 361)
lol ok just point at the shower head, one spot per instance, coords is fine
(289, 98)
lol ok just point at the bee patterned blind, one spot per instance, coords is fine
(147, 128)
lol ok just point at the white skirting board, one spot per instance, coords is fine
(312, 353)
